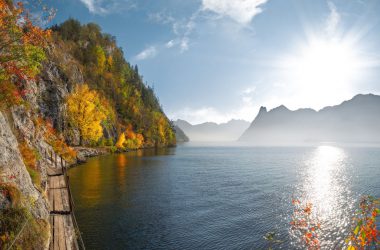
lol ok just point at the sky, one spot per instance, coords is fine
(216, 60)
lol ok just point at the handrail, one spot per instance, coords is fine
(71, 200)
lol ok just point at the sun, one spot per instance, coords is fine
(322, 68)
(323, 63)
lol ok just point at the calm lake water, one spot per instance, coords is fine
(219, 197)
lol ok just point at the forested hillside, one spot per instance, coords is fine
(127, 105)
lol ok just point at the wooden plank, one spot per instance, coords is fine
(56, 232)
(62, 182)
(61, 236)
(58, 206)
(52, 181)
(51, 246)
(65, 200)
(57, 182)
(69, 233)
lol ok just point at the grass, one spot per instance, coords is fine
(35, 176)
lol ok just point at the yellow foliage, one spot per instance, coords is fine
(100, 58)
(86, 113)
(110, 61)
(129, 139)
(120, 141)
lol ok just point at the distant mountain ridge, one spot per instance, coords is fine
(180, 135)
(353, 121)
(210, 131)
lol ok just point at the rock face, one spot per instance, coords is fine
(353, 121)
(13, 170)
(210, 131)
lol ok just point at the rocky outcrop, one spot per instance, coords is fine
(13, 171)
(83, 153)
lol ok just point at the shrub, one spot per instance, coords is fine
(109, 142)
(30, 157)
(58, 144)
(17, 217)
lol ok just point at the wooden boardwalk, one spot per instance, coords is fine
(63, 234)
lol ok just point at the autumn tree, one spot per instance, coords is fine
(86, 113)
(21, 50)
(129, 139)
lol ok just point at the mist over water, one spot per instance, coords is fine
(207, 196)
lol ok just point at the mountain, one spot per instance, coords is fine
(180, 135)
(353, 121)
(210, 131)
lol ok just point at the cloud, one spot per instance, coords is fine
(332, 20)
(181, 28)
(161, 17)
(147, 53)
(93, 7)
(184, 45)
(170, 44)
(242, 11)
(249, 90)
(210, 114)
(103, 7)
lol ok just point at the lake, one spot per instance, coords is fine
(205, 196)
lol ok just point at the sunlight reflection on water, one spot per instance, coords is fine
(325, 186)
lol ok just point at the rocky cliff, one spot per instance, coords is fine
(25, 144)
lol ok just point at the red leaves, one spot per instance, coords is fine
(21, 45)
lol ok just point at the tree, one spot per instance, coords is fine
(21, 51)
(85, 113)
(100, 58)
(129, 139)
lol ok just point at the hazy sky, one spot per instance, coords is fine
(214, 60)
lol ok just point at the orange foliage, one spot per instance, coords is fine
(21, 54)
(58, 144)
(365, 234)
(129, 139)
(29, 155)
